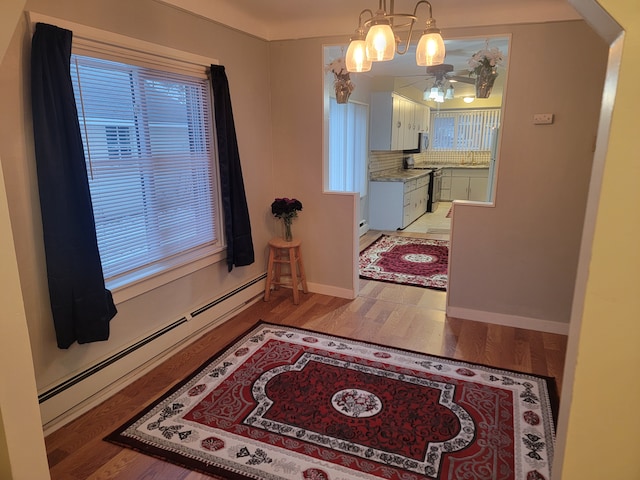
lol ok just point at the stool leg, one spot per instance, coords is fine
(278, 269)
(267, 288)
(294, 276)
(303, 277)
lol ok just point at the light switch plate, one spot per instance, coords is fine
(542, 118)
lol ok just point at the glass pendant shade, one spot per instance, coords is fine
(430, 50)
(434, 93)
(381, 43)
(356, 58)
(449, 94)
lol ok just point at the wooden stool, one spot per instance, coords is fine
(281, 251)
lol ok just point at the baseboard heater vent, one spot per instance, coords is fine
(43, 397)
(228, 295)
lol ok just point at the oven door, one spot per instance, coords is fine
(435, 187)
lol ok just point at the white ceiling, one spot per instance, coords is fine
(292, 19)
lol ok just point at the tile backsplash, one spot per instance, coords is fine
(384, 161)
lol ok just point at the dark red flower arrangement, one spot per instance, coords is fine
(286, 207)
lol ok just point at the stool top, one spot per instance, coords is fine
(282, 243)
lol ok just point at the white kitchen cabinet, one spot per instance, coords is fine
(464, 184)
(478, 188)
(395, 121)
(396, 204)
(423, 117)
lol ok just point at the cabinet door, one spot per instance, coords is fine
(423, 194)
(426, 122)
(410, 134)
(422, 117)
(397, 124)
(478, 189)
(459, 188)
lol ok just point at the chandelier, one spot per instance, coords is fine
(376, 40)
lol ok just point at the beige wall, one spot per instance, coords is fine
(519, 258)
(600, 421)
(327, 224)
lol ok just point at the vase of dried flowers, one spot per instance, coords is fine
(342, 80)
(287, 209)
(483, 64)
(484, 82)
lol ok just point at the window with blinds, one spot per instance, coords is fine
(147, 138)
(463, 130)
(348, 125)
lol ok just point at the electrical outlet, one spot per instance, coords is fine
(542, 118)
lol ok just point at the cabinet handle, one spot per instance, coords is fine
(399, 124)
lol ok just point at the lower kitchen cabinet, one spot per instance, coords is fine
(464, 184)
(396, 204)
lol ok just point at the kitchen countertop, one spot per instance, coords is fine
(452, 165)
(399, 175)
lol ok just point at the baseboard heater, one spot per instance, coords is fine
(79, 377)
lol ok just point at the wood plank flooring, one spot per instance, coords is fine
(407, 317)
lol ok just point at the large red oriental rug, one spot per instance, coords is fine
(407, 261)
(286, 403)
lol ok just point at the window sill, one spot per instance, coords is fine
(145, 280)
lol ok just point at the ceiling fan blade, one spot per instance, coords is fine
(461, 79)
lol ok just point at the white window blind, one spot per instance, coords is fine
(463, 130)
(147, 138)
(348, 124)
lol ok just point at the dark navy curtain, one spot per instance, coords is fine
(81, 305)
(234, 201)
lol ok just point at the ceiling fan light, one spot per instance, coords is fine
(356, 57)
(449, 94)
(430, 50)
(381, 42)
(433, 94)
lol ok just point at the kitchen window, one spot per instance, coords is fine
(464, 130)
(148, 142)
(348, 126)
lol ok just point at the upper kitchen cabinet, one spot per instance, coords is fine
(395, 121)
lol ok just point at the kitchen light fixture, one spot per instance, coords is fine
(468, 99)
(381, 42)
(449, 94)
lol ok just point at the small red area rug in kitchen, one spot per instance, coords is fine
(284, 403)
(406, 260)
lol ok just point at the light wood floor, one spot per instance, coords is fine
(407, 317)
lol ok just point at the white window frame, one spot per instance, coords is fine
(90, 41)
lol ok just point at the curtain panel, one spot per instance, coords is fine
(81, 305)
(234, 202)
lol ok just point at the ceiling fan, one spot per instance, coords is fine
(442, 72)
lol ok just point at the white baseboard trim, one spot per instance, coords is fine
(527, 323)
(60, 408)
(332, 291)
